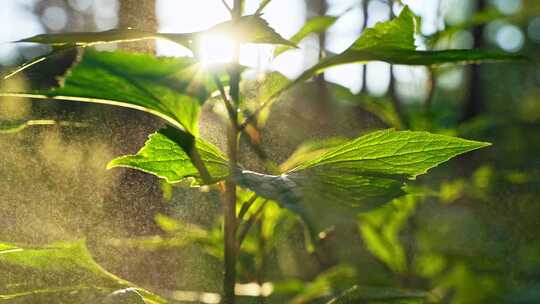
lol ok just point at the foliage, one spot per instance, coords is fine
(61, 273)
(340, 177)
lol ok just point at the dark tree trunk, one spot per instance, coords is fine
(475, 103)
(139, 14)
(138, 196)
(365, 4)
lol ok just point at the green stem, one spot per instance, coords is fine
(230, 220)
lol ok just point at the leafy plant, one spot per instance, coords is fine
(348, 176)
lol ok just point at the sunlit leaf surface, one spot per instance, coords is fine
(248, 29)
(363, 173)
(169, 154)
(59, 273)
(171, 88)
(393, 42)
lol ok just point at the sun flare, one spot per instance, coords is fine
(216, 48)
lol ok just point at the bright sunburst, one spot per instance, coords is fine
(216, 48)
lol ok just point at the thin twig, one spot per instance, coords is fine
(431, 83)
(246, 205)
(227, 6)
(247, 225)
(228, 104)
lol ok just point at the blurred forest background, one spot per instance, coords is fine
(473, 239)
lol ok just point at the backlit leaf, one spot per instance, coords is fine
(84, 39)
(169, 154)
(395, 154)
(314, 25)
(361, 174)
(248, 29)
(59, 273)
(393, 42)
(171, 88)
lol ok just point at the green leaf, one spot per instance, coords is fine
(396, 34)
(314, 25)
(84, 39)
(361, 174)
(59, 273)
(249, 29)
(395, 154)
(171, 88)
(310, 150)
(171, 154)
(393, 42)
(361, 294)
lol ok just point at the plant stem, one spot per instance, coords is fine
(229, 211)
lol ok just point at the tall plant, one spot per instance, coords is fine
(360, 174)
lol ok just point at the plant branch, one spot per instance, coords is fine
(246, 205)
(227, 6)
(230, 108)
(242, 233)
(229, 210)
(259, 151)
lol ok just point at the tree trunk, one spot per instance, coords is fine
(475, 104)
(139, 14)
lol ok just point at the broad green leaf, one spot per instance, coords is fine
(366, 294)
(170, 153)
(248, 29)
(84, 39)
(395, 154)
(171, 88)
(59, 273)
(393, 42)
(361, 174)
(314, 25)
(310, 150)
